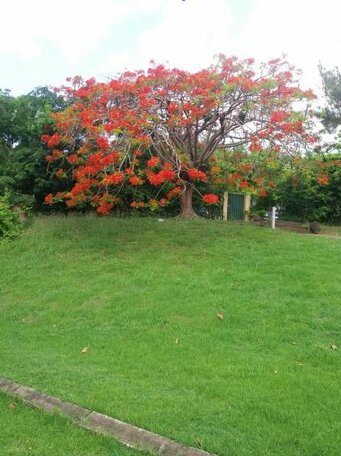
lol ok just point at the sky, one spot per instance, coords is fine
(42, 43)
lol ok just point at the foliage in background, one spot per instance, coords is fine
(307, 189)
(331, 114)
(310, 195)
(310, 189)
(10, 225)
(23, 170)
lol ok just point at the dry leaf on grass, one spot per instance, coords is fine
(85, 350)
(12, 405)
(220, 315)
(199, 442)
(334, 347)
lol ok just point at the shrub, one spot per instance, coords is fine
(10, 225)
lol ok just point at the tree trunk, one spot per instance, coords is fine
(186, 203)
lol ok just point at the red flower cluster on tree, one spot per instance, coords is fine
(174, 193)
(262, 192)
(81, 187)
(161, 177)
(279, 116)
(322, 179)
(152, 162)
(255, 147)
(103, 143)
(113, 179)
(196, 174)
(49, 199)
(51, 141)
(137, 204)
(54, 155)
(72, 159)
(210, 198)
(244, 184)
(59, 173)
(135, 180)
(105, 208)
(293, 127)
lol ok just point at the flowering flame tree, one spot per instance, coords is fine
(181, 119)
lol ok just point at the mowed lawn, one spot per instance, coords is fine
(30, 432)
(142, 298)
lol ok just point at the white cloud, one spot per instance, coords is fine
(74, 27)
(189, 34)
(186, 34)
(307, 31)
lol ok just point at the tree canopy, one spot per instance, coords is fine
(181, 119)
(331, 115)
(22, 154)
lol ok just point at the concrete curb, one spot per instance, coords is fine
(127, 434)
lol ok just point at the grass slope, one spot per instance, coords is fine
(143, 296)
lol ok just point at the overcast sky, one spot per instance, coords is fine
(42, 42)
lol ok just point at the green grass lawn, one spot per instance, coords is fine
(30, 432)
(143, 296)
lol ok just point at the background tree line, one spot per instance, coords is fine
(23, 168)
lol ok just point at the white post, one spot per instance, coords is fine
(247, 205)
(273, 217)
(225, 205)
